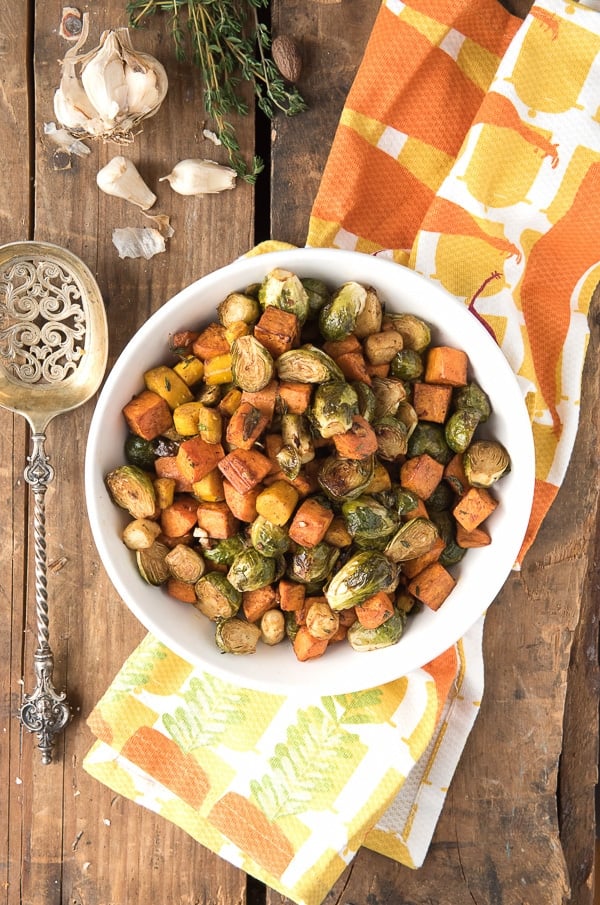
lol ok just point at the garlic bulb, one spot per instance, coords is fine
(120, 178)
(116, 89)
(200, 177)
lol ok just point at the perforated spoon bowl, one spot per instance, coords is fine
(53, 353)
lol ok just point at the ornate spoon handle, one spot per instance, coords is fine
(44, 711)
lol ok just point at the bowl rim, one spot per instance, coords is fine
(241, 272)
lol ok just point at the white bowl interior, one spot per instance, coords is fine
(481, 573)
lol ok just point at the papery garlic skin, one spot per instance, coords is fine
(194, 176)
(120, 178)
(118, 87)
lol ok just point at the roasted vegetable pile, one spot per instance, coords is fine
(307, 467)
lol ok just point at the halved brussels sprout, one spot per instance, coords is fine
(318, 295)
(139, 452)
(152, 564)
(321, 621)
(288, 459)
(345, 479)
(367, 518)
(459, 429)
(224, 551)
(235, 636)
(392, 438)
(333, 406)
(485, 462)
(366, 399)
(251, 364)
(415, 537)
(407, 364)
(132, 489)
(416, 334)
(295, 432)
(309, 565)
(429, 438)
(389, 393)
(185, 563)
(283, 289)
(385, 635)
(359, 578)
(337, 319)
(238, 308)
(473, 397)
(216, 597)
(307, 364)
(267, 538)
(251, 570)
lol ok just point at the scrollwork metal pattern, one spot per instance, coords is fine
(42, 322)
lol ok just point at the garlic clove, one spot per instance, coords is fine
(200, 177)
(120, 178)
(103, 78)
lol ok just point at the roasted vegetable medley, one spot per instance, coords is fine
(307, 467)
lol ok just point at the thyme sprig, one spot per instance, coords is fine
(230, 45)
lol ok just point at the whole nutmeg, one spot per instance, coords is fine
(286, 57)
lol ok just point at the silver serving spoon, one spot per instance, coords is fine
(53, 352)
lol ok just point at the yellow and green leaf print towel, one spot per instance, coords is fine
(469, 150)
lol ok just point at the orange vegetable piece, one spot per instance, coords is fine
(180, 517)
(454, 473)
(242, 505)
(196, 458)
(291, 595)
(474, 507)
(295, 396)
(478, 537)
(245, 426)
(181, 590)
(359, 442)
(306, 647)
(446, 366)
(264, 400)
(310, 523)
(217, 520)
(353, 366)
(244, 468)
(412, 567)
(148, 415)
(256, 603)
(421, 475)
(375, 611)
(278, 331)
(431, 401)
(432, 586)
(211, 342)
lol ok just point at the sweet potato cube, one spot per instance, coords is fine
(242, 505)
(432, 586)
(478, 537)
(353, 366)
(181, 590)
(148, 415)
(446, 366)
(474, 507)
(264, 400)
(295, 396)
(273, 443)
(217, 520)
(168, 467)
(454, 473)
(211, 342)
(337, 347)
(412, 567)
(291, 595)
(431, 401)
(180, 517)
(245, 426)
(421, 475)
(244, 468)
(278, 331)
(310, 523)
(359, 442)
(420, 511)
(196, 458)
(375, 610)
(306, 647)
(256, 603)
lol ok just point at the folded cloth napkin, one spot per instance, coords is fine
(469, 150)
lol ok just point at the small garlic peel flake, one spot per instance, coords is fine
(138, 242)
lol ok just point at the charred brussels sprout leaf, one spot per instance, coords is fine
(366, 399)
(429, 438)
(139, 452)
(288, 459)
(365, 517)
(318, 296)
(224, 552)
(472, 397)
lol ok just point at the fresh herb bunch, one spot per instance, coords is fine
(230, 45)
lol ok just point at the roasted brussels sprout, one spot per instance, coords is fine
(132, 489)
(345, 479)
(318, 296)
(389, 393)
(441, 498)
(238, 308)
(452, 553)
(152, 564)
(366, 517)
(459, 429)
(295, 432)
(251, 570)
(415, 537)
(416, 334)
(368, 320)
(140, 533)
(307, 365)
(485, 462)
(359, 578)
(392, 438)
(224, 551)
(472, 396)
(309, 565)
(288, 459)
(185, 563)
(236, 636)
(366, 399)
(385, 635)
(408, 416)
(216, 597)
(333, 406)
(429, 438)
(337, 319)
(321, 621)
(139, 452)
(407, 364)
(283, 289)
(269, 539)
(406, 501)
(251, 364)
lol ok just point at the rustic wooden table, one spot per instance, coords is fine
(518, 824)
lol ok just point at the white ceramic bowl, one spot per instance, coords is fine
(481, 573)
